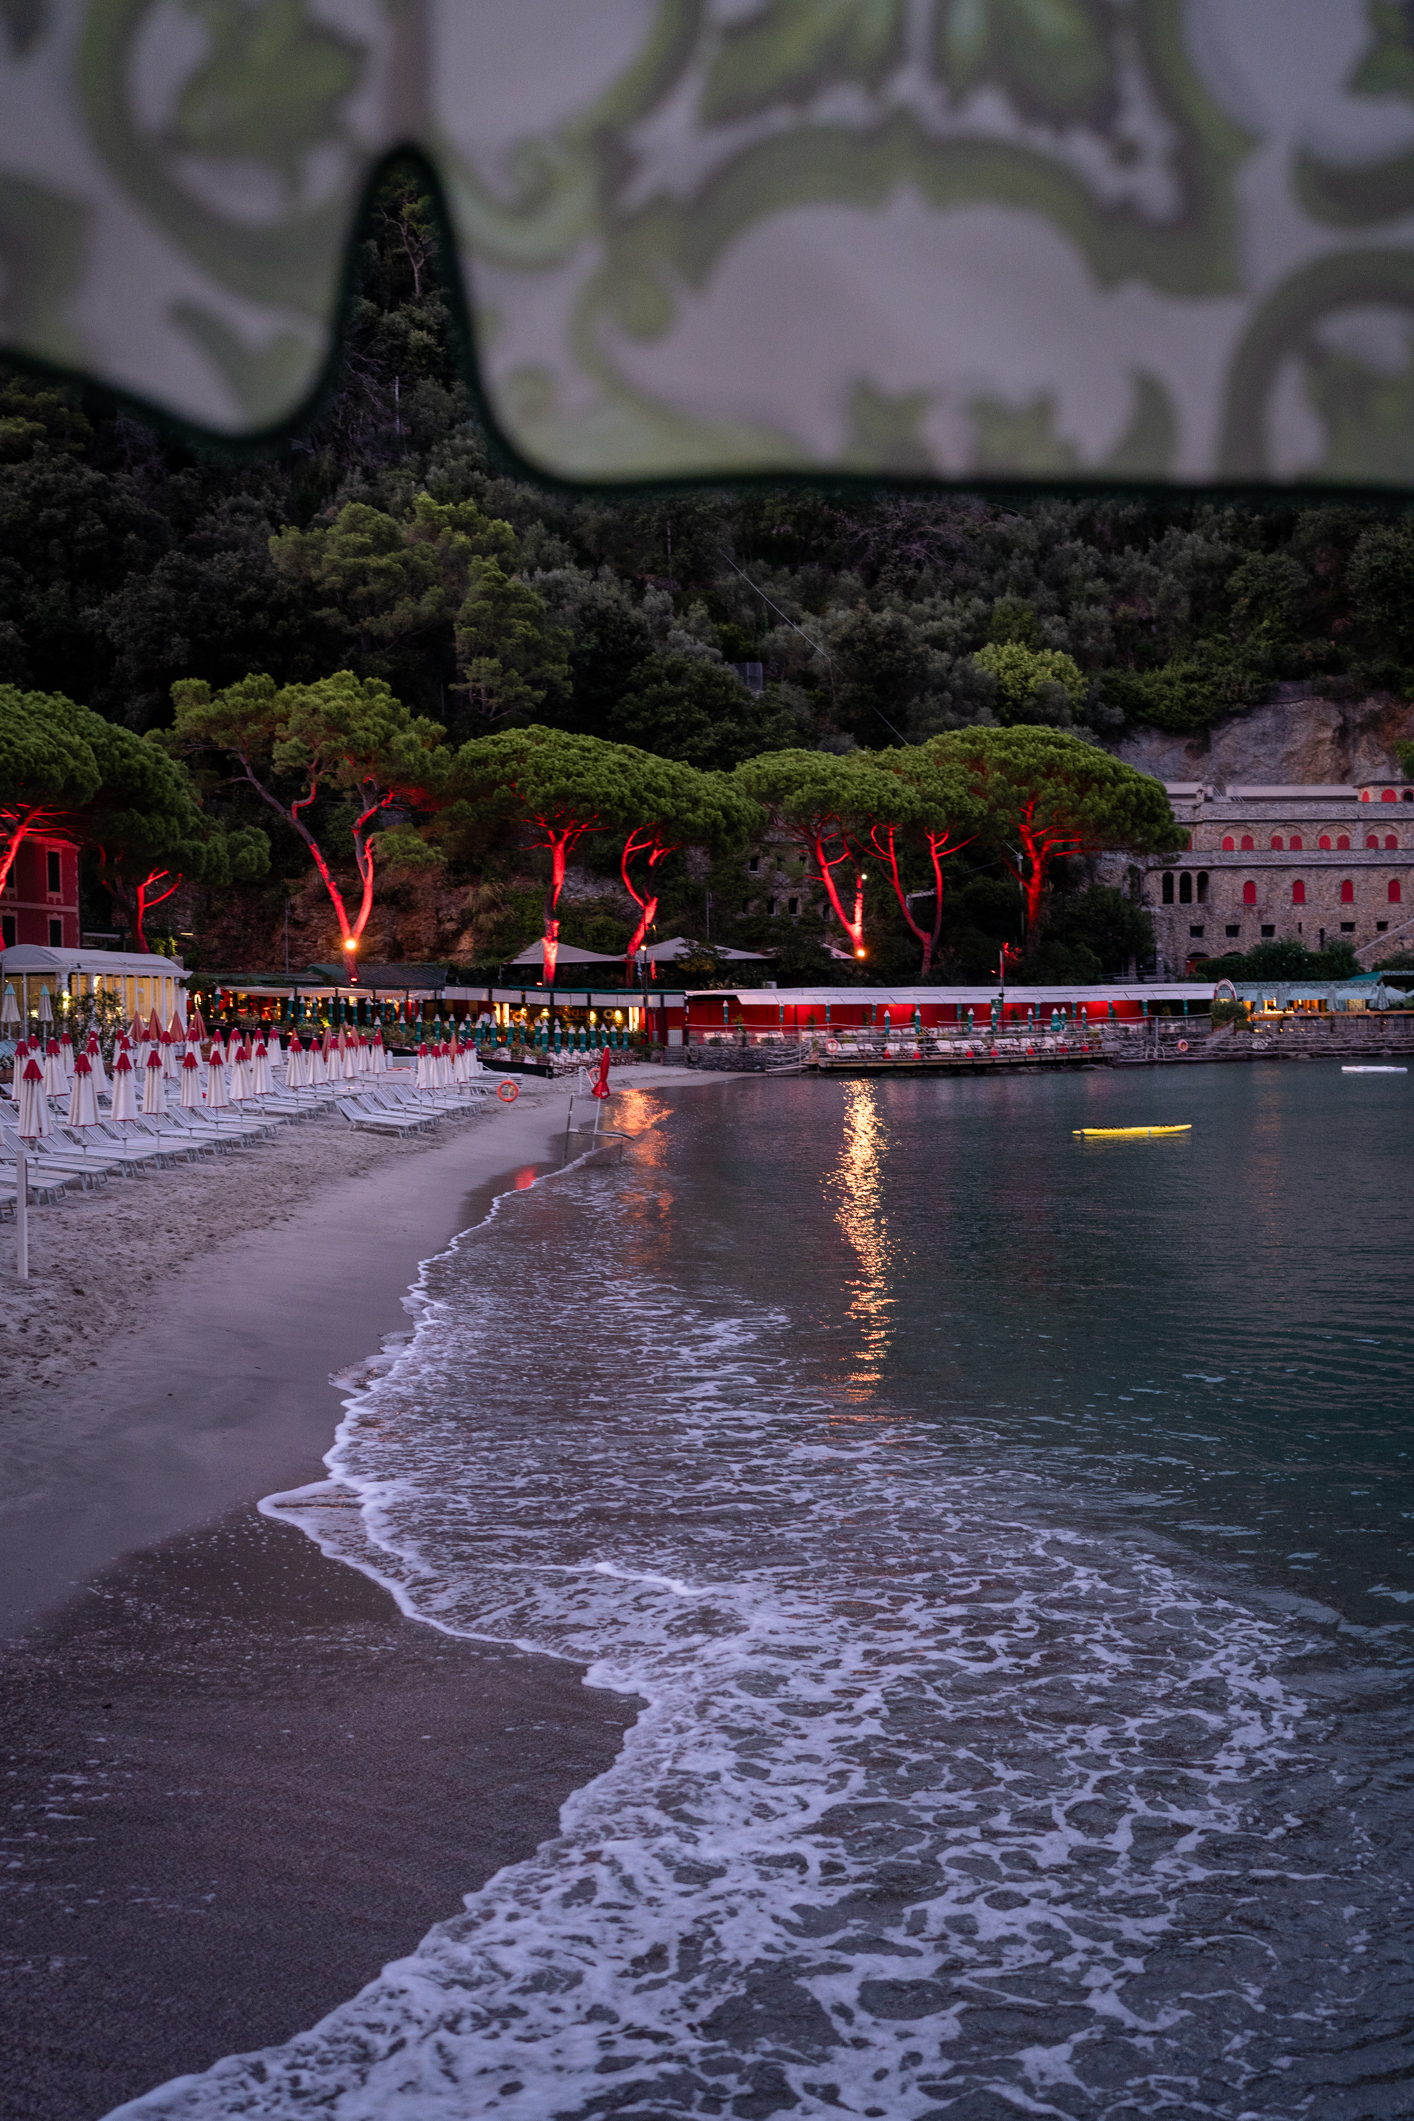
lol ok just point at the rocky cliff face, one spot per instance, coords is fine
(1295, 739)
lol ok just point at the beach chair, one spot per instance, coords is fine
(46, 1184)
(61, 1149)
(379, 1122)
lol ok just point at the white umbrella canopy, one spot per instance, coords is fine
(55, 1084)
(350, 1058)
(124, 1089)
(191, 1083)
(294, 1063)
(34, 1110)
(216, 1097)
(424, 1067)
(262, 1081)
(93, 1054)
(46, 1007)
(83, 1095)
(66, 1057)
(9, 1010)
(154, 1087)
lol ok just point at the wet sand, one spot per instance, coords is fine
(241, 1780)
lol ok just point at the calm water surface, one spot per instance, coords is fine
(1013, 1541)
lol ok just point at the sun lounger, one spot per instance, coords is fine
(60, 1151)
(43, 1181)
(373, 1122)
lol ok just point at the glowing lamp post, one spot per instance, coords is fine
(350, 962)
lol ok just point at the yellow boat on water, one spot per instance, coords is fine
(1126, 1134)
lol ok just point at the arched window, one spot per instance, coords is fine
(1325, 841)
(1185, 889)
(1229, 844)
(1347, 891)
(1202, 887)
(1364, 795)
(1389, 796)
(1343, 843)
(1168, 887)
(1391, 839)
(1407, 796)
(1276, 843)
(1298, 893)
(1249, 894)
(1372, 839)
(1247, 843)
(1297, 842)
(1395, 893)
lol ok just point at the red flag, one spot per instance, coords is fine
(601, 1088)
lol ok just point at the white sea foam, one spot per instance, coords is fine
(935, 1800)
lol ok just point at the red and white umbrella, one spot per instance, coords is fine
(241, 1085)
(124, 1091)
(216, 1097)
(66, 1058)
(93, 1054)
(424, 1067)
(35, 1117)
(262, 1081)
(83, 1095)
(294, 1064)
(154, 1088)
(55, 1084)
(191, 1082)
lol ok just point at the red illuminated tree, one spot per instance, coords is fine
(827, 806)
(1047, 795)
(344, 738)
(48, 771)
(934, 813)
(678, 807)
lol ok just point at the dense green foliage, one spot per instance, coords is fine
(1285, 961)
(387, 542)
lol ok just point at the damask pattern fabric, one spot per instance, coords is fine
(1146, 240)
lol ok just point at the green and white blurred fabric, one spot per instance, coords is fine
(1054, 239)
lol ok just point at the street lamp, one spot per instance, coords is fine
(350, 966)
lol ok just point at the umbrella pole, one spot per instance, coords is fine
(569, 1122)
(21, 1214)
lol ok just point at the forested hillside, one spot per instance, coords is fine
(387, 541)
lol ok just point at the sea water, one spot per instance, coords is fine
(1010, 1540)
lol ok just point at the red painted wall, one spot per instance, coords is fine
(29, 908)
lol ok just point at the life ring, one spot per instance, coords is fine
(508, 1092)
(1183, 1045)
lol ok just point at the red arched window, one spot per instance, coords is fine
(1247, 843)
(1347, 891)
(1391, 839)
(1394, 891)
(1372, 839)
(1343, 843)
(1297, 842)
(1389, 796)
(1229, 844)
(1276, 842)
(1249, 894)
(1325, 841)
(1298, 893)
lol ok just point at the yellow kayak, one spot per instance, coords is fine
(1123, 1134)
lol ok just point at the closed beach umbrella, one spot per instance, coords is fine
(314, 1066)
(196, 1029)
(262, 1081)
(377, 1054)
(66, 1058)
(349, 1058)
(9, 1010)
(46, 1007)
(93, 1054)
(424, 1067)
(83, 1098)
(294, 1064)
(124, 1093)
(34, 1112)
(191, 1082)
(363, 1054)
(216, 1098)
(240, 1075)
(154, 1087)
(54, 1082)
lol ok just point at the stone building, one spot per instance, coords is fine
(1304, 863)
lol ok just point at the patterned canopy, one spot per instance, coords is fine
(1064, 240)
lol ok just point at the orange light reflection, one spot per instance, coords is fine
(856, 1182)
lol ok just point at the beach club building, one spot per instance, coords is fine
(40, 901)
(141, 982)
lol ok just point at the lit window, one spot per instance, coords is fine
(1247, 843)
(1391, 839)
(1347, 891)
(1343, 843)
(1395, 892)
(1276, 843)
(1298, 893)
(1229, 844)
(1249, 894)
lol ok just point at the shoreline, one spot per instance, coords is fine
(241, 1779)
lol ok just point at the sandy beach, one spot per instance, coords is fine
(204, 1715)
